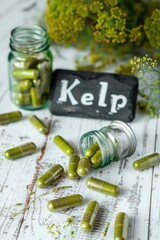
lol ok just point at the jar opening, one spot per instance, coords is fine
(88, 139)
(29, 39)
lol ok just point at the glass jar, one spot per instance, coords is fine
(30, 67)
(111, 143)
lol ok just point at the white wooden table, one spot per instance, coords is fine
(140, 191)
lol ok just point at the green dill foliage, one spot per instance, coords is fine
(147, 70)
(57, 229)
(148, 73)
(108, 24)
(111, 30)
(152, 29)
(105, 230)
(27, 207)
(19, 204)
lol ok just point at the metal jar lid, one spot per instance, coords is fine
(129, 132)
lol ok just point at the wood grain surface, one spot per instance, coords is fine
(23, 207)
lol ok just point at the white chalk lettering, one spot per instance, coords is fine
(115, 106)
(87, 99)
(102, 94)
(66, 92)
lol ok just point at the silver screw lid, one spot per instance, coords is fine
(129, 132)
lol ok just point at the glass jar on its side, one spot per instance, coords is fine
(111, 143)
(30, 67)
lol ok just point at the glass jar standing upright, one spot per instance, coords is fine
(30, 67)
(111, 143)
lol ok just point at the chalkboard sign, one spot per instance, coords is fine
(93, 95)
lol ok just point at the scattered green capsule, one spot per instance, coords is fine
(147, 161)
(50, 176)
(72, 166)
(96, 159)
(21, 98)
(121, 226)
(22, 86)
(91, 150)
(38, 124)
(35, 96)
(10, 117)
(83, 167)
(25, 63)
(63, 145)
(102, 186)
(20, 74)
(89, 216)
(20, 151)
(65, 202)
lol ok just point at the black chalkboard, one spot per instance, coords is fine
(93, 95)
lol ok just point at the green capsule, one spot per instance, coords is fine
(22, 86)
(121, 226)
(102, 186)
(63, 145)
(50, 176)
(72, 166)
(35, 96)
(21, 98)
(45, 75)
(10, 117)
(89, 216)
(20, 151)
(147, 161)
(25, 63)
(44, 97)
(37, 82)
(92, 150)
(20, 74)
(65, 202)
(96, 159)
(38, 124)
(83, 167)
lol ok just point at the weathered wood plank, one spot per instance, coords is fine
(139, 190)
(154, 220)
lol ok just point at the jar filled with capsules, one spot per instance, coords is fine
(111, 143)
(29, 67)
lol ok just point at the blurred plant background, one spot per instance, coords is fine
(112, 30)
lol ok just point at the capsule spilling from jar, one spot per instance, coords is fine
(83, 167)
(91, 150)
(89, 216)
(65, 202)
(102, 186)
(96, 159)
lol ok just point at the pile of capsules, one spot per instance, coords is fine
(77, 167)
(30, 81)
